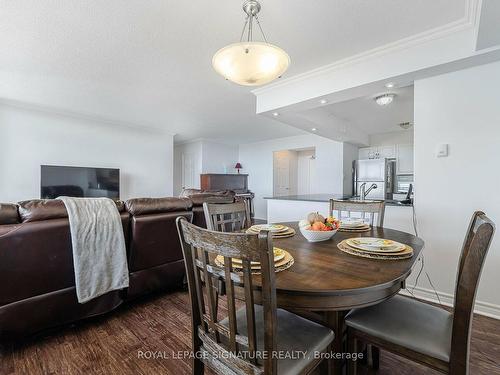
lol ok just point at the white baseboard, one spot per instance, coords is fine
(482, 308)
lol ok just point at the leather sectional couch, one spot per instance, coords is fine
(37, 285)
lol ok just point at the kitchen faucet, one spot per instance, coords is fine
(362, 188)
(365, 193)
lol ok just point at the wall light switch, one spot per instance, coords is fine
(442, 150)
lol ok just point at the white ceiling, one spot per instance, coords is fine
(366, 115)
(149, 63)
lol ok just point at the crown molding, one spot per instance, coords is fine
(189, 141)
(98, 120)
(208, 140)
(469, 20)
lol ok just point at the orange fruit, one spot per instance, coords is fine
(318, 226)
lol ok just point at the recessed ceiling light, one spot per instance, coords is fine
(323, 101)
(276, 114)
(389, 85)
(385, 99)
(314, 129)
(406, 125)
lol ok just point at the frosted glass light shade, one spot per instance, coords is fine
(251, 63)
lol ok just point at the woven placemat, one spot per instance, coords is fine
(290, 232)
(355, 230)
(407, 253)
(282, 265)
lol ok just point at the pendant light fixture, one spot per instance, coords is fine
(247, 62)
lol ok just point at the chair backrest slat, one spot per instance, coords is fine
(231, 305)
(362, 207)
(200, 247)
(249, 309)
(270, 308)
(227, 217)
(211, 296)
(198, 285)
(473, 255)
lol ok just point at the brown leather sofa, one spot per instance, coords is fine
(37, 283)
(152, 230)
(37, 286)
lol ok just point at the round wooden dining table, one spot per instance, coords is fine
(324, 283)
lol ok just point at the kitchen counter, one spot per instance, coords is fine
(296, 207)
(327, 197)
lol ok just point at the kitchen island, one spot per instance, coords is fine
(398, 215)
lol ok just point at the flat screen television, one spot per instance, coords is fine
(79, 182)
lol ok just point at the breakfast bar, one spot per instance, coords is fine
(398, 215)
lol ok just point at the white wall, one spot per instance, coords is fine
(29, 138)
(257, 159)
(209, 157)
(461, 109)
(392, 138)
(219, 157)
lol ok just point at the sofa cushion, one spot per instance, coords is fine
(8, 213)
(145, 206)
(187, 192)
(199, 199)
(48, 209)
(41, 209)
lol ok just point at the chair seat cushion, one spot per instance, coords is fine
(404, 321)
(294, 335)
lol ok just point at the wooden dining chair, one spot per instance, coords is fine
(249, 339)
(362, 207)
(227, 217)
(425, 333)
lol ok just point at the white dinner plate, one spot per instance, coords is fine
(376, 244)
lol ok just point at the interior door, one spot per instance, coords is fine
(281, 174)
(188, 174)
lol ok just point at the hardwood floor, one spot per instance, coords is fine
(138, 338)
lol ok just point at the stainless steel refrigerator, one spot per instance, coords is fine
(374, 172)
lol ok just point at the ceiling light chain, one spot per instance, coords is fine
(244, 28)
(250, 34)
(249, 22)
(260, 27)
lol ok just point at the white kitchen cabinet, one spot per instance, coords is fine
(387, 151)
(404, 159)
(365, 153)
(378, 152)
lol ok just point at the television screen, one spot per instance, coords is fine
(79, 182)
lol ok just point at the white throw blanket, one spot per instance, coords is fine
(99, 254)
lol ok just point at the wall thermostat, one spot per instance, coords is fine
(442, 150)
